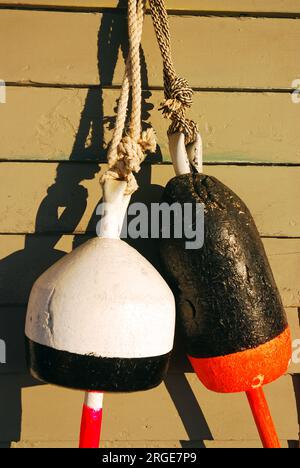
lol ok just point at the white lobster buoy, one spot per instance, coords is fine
(102, 318)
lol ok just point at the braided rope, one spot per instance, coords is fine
(134, 53)
(178, 93)
(126, 153)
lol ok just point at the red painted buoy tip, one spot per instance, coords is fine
(247, 370)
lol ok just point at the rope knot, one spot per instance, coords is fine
(186, 126)
(148, 141)
(179, 95)
(130, 155)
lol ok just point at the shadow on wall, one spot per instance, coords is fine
(19, 270)
(296, 383)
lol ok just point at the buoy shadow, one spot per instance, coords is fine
(296, 384)
(19, 270)
(60, 213)
(183, 398)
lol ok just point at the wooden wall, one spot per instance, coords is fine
(62, 62)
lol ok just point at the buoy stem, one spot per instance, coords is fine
(263, 418)
(91, 420)
(179, 154)
(114, 208)
(195, 154)
(185, 158)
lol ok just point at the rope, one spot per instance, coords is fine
(178, 93)
(126, 153)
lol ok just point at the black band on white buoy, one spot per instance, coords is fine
(102, 318)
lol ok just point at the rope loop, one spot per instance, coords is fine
(127, 152)
(178, 93)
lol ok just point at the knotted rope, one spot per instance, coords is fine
(178, 93)
(126, 153)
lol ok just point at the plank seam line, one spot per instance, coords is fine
(172, 12)
(282, 238)
(149, 163)
(66, 86)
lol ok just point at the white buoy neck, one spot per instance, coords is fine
(184, 157)
(115, 204)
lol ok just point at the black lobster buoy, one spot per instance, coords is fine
(234, 325)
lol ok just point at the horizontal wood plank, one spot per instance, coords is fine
(60, 124)
(144, 416)
(24, 258)
(154, 444)
(284, 256)
(83, 49)
(32, 194)
(12, 324)
(282, 6)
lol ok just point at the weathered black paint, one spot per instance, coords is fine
(94, 373)
(226, 294)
